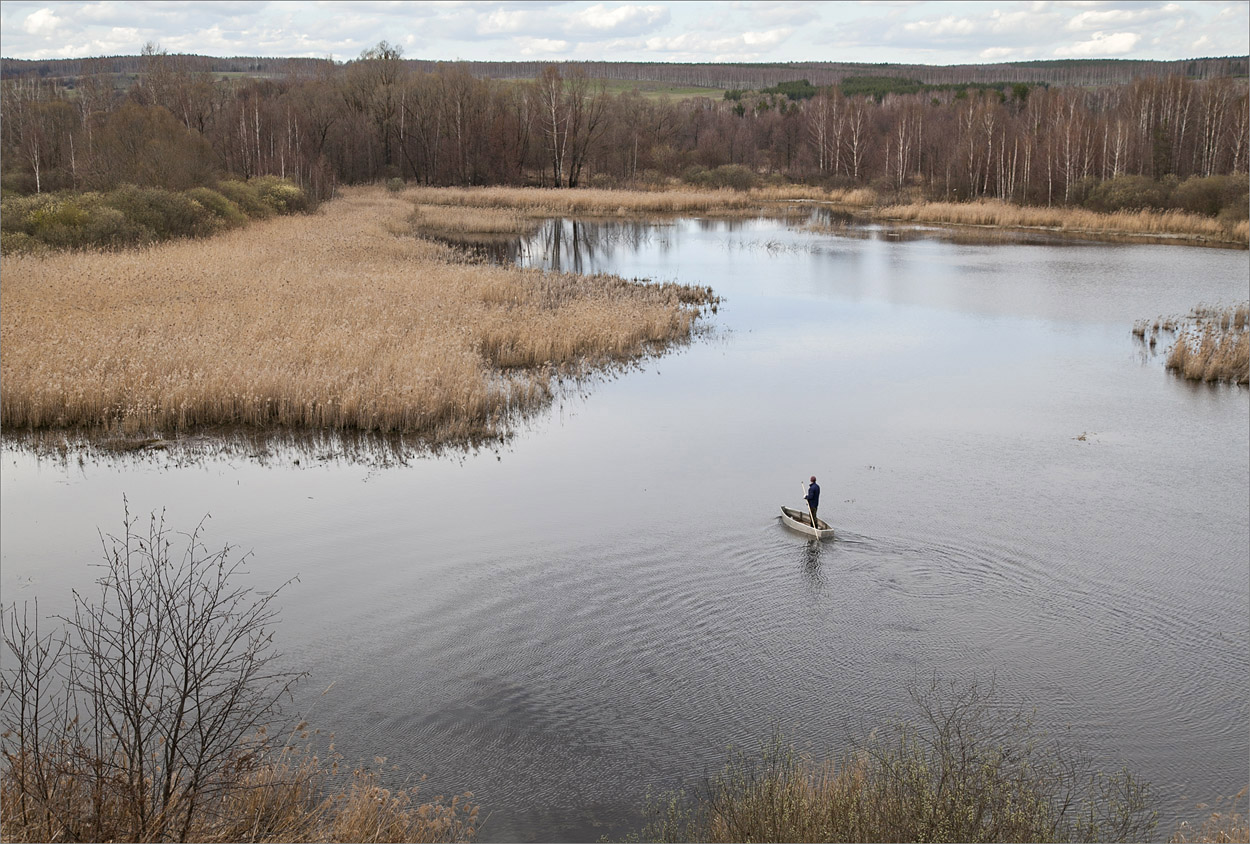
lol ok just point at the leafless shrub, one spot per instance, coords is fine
(146, 717)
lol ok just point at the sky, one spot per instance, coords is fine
(934, 32)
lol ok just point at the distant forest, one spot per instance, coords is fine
(1032, 132)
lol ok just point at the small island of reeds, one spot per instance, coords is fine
(1212, 344)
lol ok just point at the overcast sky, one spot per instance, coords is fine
(646, 31)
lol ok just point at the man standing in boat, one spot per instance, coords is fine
(813, 499)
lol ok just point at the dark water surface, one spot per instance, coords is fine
(607, 603)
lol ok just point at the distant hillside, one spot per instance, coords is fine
(1081, 72)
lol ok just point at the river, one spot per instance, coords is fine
(603, 605)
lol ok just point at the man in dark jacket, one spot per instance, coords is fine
(813, 498)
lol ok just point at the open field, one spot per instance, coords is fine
(338, 320)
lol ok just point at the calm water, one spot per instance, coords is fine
(605, 604)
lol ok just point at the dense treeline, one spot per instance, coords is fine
(711, 75)
(379, 117)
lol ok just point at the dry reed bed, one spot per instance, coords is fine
(1075, 220)
(591, 202)
(1213, 344)
(324, 321)
(459, 221)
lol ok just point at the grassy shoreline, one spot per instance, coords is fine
(336, 320)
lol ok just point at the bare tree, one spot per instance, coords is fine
(150, 699)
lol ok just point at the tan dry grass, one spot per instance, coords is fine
(325, 321)
(587, 202)
(594, 202)
(1074, 220)
(460, 221)
(1214, 347)
(290, 794)
(1221, 827)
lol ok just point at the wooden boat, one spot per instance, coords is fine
(801, 520)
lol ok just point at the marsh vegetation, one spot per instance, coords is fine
(966, 766)
(1210, 344)
(339, 320)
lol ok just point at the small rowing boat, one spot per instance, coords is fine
(802, 522)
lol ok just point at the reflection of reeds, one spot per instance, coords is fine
(1076, 220)
(1215, 346)
(325, 321)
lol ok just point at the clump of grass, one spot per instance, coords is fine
(310, 322)
(968, 770)
(1074, 220)
(1223, 826)
(1215, 347)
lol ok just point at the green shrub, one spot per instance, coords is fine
(19, 243)
(19, 213)
(733, 176)
(1128, 193)
(246, 198)
(109, 228)
(219, 206)
(164, 213)
(395, 185)
(1213, 196)
(282, 195)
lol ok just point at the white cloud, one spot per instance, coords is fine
(543, 46)
(41, 23)
(940, 31)
(1101, 44)
(997, 54)
(942, 27)
(617, 21)
(698, 43)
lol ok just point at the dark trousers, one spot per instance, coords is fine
(812, 507)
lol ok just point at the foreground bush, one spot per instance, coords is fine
(136, 216)
(146, 718)
(969, 770)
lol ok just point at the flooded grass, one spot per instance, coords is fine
(339, 320)
(1213, 344)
